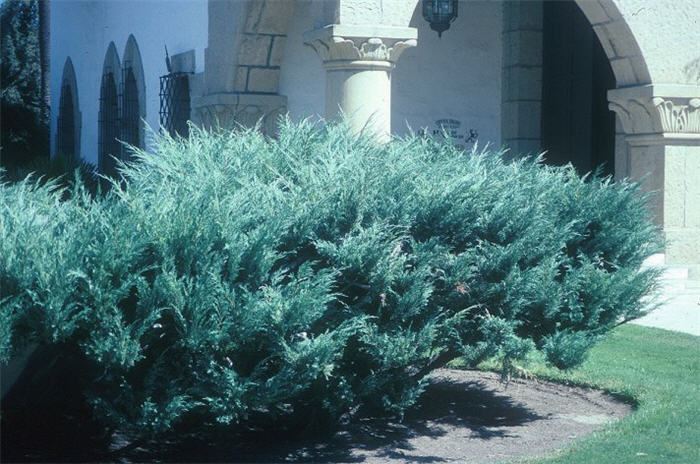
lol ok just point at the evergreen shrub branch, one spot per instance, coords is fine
(236, 279)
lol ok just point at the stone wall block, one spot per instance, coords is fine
(521, 120)
(526, 84)
(522, 15)
(509, 120)
(674, 187)
(692, 193)
(254, 50)
(506, 74)
(520, 147)
(523, 48)
(647, 162)
(622, 168)
(509, 49)
(624, 72)
(683, 246)
(263, 80)
(241, 79)
(507, 16)
(529, 115)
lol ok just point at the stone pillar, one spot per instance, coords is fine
(662, 127)
(240, 85)
(358, 62)
(521, 93)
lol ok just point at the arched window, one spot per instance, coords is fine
(109, 134)
(68, 130)
(133, 98)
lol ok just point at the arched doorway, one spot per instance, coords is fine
(577, 126)
(559, 60)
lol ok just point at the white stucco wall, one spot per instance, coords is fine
(454, 77)
(668, 34)
(302, 77)
(387, 12)
(82, 29)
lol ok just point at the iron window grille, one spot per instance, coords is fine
(175, 103)
(65, 144)
(131, 114)
(108, 122)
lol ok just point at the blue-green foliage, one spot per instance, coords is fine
(233, 278)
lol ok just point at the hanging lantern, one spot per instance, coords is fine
(440, 13)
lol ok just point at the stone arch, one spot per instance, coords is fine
(133, 96)
(522, 72)
(109, 110)
(242, 87)
(69, 115)
(618, 41)
(261, 46)
(633, 115)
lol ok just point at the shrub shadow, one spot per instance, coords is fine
(475, 407)
(472, 406)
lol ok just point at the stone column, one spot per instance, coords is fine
(662, 127)
(521, 93)
(358, 62)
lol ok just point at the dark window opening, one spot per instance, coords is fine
(109, 146)
(175, 103)
(131, 114)
(66, 145)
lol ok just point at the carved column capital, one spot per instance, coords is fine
(345, 46)
(658, 114)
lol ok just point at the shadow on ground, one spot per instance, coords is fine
(463, 415)
(444, 406)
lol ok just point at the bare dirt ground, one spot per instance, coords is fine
(463, 416)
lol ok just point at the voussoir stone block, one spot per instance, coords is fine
(263, 80)
(254, 50)
(602, 33)
(623, 70)
(275, 16)
(594, 11)
(277, 51)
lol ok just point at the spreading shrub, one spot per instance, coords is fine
(236, 279)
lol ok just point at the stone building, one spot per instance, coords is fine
(610, 83)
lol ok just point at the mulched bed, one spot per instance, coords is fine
(464, 416)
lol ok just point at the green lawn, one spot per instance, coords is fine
(660, 370)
